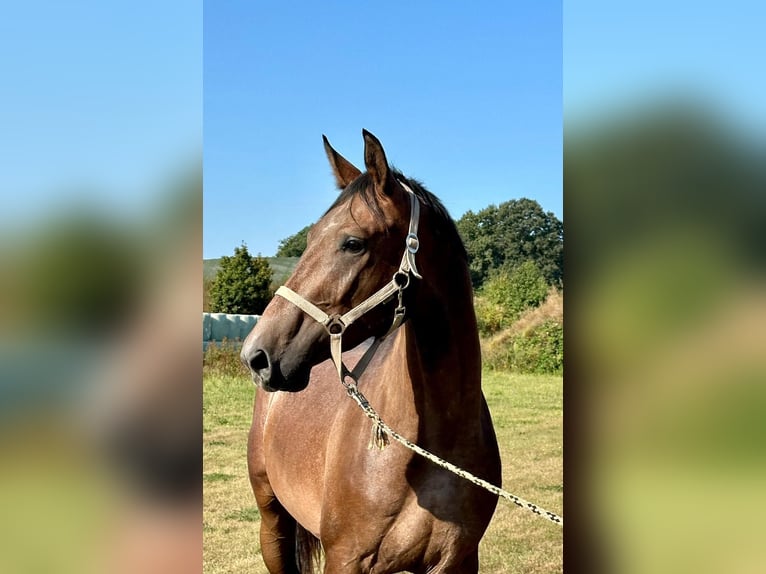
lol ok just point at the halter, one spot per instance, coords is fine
(337, 324)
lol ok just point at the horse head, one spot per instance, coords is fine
(352, 252)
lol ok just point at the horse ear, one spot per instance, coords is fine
(344, 171)
(375, 161)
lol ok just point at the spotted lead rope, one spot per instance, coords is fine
(379, 439)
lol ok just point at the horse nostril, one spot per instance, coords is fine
(258, 361)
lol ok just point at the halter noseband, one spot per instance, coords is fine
(337, 324)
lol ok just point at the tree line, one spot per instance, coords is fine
(514, 247)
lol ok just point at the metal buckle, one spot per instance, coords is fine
(413, 243)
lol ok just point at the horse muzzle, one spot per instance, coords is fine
(268, 373)
(260, 367)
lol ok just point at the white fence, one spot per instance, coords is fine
(220, 327)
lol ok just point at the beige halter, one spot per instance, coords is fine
(336, 324)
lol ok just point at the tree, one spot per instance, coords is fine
(507, 294)
(79, 273)
(507, 235)
(295, 245)
(520, 289)
(241, 284)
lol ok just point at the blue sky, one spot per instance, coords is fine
(465, 97)
(620, 53)
(101, 101)
(104, 101)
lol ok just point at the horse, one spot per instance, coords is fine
(385, 263)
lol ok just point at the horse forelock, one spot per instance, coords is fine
(444, 228)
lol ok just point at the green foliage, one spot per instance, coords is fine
(223, 360)
(282, 267)
(539, 350)
(505, 236)
(507, 294)
(242, 284)
(490, 317)
(295, 245)
(80, 274)
(206, 285)
(533, 343)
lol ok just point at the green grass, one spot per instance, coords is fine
(526, 409)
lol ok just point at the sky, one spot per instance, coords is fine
(466, 98)
(101, 102)
(620, 53)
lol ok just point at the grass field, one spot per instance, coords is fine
(527, 412)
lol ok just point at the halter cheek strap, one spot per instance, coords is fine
(336, 324)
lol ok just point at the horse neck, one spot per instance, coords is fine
(443, 358)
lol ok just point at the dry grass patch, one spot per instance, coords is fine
(533, 343)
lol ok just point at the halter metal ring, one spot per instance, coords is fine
(335, 325)
(401, 279)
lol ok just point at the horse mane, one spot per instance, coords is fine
(445, 228)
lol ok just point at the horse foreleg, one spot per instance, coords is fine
(469, 565)
(277, 535)
(335, 564)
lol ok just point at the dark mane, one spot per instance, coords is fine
(445, 230)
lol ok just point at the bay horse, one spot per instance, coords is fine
(318, 484)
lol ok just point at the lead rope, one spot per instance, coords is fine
(379, 439)
(337, 324)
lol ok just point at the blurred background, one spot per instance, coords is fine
(101, 266)
(100, 286)
(665, 214)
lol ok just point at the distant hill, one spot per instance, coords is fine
(281, 266)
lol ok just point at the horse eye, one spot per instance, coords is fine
(353, 245)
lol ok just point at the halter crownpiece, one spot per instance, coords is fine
(337, 324)
(412, 242)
